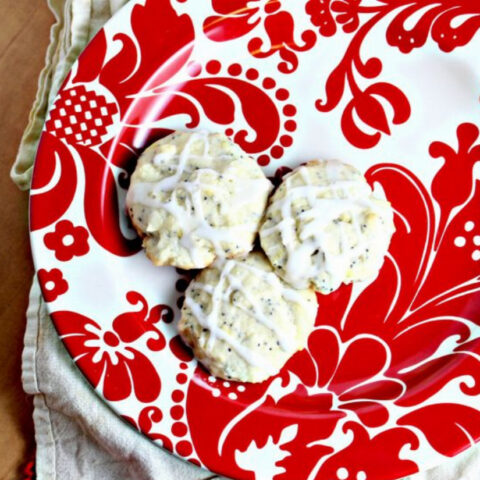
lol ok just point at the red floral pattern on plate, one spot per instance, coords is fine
(354, 374)
(386, 360)
(52, 283)
(67, 241)
(240, 17)
(366, 110)
(114, 366)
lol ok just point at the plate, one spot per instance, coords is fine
(390, 381)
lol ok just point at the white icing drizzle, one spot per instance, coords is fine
(220, 294)
(191, 216)
(307, 250)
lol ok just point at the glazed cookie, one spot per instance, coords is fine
(242, 321)
(324, 227)
(196, 196)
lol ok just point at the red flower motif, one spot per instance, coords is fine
(238, 18)
(107, 355)
(52, 282)
(321, 16)
(355, 377)
(347, 14)
(67, 241)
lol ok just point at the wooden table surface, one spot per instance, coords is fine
(24, 36)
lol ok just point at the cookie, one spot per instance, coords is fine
(194, 197)
(324, 227)
(242, 321)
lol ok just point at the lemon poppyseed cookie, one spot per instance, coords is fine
(324, 227)
(242, 321)
(194, 197)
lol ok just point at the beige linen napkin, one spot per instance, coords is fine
(77, 435)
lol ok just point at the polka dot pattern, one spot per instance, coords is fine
(184, 448)
(179, 429)
(182, 378)
(177, 396)
(235, 69)
(176, 412)
(213, 67)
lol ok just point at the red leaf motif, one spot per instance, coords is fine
(325, 352)
(179, 349)
(115, 387)
(376, 390)
(408, 39)
(53, 184)
(448, 37)
(370, 111)
(334, 90)
(409, 347)
(90, 61)
(396, 98)
(353, 133)
(146, 382)
(435, 19)
(415, 230)
(460, 426)
(458, 165)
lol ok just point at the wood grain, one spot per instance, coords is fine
(24, 36)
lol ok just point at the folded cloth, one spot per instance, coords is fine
(77, 434)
